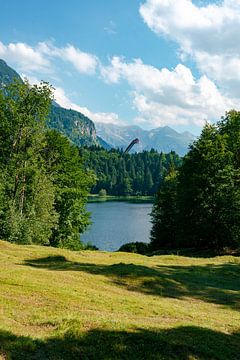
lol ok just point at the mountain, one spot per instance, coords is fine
(82, 131)
(162, 139)
(73, 124)
(7, 74)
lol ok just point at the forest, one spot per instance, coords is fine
(123, 174)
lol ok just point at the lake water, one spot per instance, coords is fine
(116, 223)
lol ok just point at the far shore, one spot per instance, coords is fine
(136, 198)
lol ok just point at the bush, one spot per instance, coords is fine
(102, 193)
(135, 247)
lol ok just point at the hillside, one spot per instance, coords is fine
(163, 139)
(7, 74)
(73, 124)
(77, 127)
(57, 304)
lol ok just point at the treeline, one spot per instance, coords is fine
(43, 184)
(198, 205)
(128, 174)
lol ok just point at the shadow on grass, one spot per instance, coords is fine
(182, 343)
(196, 253)
(219, 284)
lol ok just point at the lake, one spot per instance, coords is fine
(118, 222)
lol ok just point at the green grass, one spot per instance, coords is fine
(57, 304)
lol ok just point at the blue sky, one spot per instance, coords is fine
(151, 63)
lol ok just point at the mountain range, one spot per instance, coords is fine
(163, 139)
(82, 131)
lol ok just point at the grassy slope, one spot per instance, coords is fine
(58, 304)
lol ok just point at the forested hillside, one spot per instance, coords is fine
(73, 124)
(77, 127)
(128, 174)
(7, 74)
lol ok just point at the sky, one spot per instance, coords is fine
(150, 63)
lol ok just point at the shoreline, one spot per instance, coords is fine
(96, 198)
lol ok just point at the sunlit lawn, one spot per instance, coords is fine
(58, 304)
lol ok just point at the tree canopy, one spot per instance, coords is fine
(128, 174)
(203, 206)
(43, 184)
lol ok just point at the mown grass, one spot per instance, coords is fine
(57, 304)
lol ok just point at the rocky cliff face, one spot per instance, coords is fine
(77, 127)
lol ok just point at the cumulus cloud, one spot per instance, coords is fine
(160, 96)
(103, 117)
(210, 28)
(163, 96)
(206, 33)
(27, 57)
(84, 62)
(64, 101)
(40, 58)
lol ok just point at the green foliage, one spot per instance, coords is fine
(72, 183)
(204, 203)
(28, 213)
(43, 186)
(164, 214)
(135, 247)
(102, 193)
(128, 174)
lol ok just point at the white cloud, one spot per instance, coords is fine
(27, 58)
(82, 61)
(206, 33)
(40, 58)
(63, 100)
(160, 96)
(169, 97)
(210, 28)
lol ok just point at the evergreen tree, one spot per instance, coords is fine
(122, 174)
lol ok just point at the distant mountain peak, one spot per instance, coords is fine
(162, 138)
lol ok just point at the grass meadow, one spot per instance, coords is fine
(56, 304)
